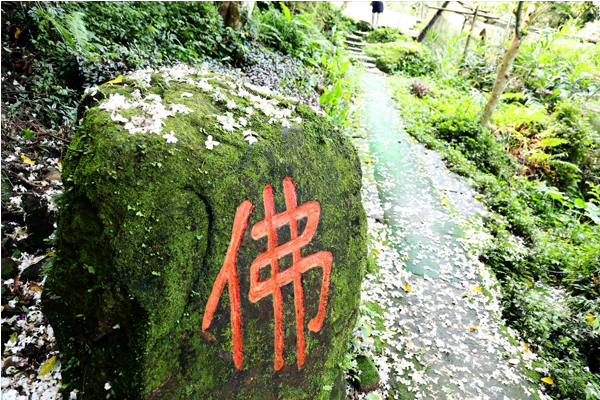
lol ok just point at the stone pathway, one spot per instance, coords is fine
(354, 44)
(440, 335)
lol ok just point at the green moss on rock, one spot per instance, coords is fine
(143, 231)
(368, 375)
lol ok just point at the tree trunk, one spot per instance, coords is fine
(505, 35)
(471, 32)
(432, 21)
(230, 13)
(506, 66)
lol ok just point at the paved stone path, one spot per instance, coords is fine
(441, 335)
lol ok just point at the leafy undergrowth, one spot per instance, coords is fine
(401, 55)
(546, 247)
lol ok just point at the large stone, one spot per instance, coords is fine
(147, 225)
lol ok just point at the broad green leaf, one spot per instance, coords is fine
(579, 203)
(286, 12)
(552, 142)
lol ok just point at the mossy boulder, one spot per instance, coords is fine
(402, 55)
(153, 179)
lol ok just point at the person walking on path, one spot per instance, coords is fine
(377, 9)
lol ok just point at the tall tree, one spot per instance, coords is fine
(507, 63)
(432, 21)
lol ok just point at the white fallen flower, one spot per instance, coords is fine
(107, 386)
(93, 90)
(210, 143)
(251, 139)
(186, 94)
(118, 117)
(228, 122)
(182, 108)
(231, 104)
(243, 121)
(170, 137)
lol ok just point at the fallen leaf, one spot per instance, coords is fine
(1, 308)
(370, 160)
(548, 381)
(34, 287)
(473, 328)
(118, 79)
(27, 160)
(47, 366)
(590, 318)
(376, 251)
(478, 197)
(17, 33)
(407, 287)
(526, 347)
(477, 288)
(445, 201)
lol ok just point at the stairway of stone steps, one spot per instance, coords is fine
(354, 43)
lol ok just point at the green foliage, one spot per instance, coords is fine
(404, 55)
(552, 68)
(384, 35)
(336, 99)
(545, 251)
(289, 33)
(69, 46)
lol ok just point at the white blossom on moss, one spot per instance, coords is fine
(210, 143)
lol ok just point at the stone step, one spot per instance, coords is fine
(351, 36)
(358, 49)
(364, 57)
(361, 33)
(359, 44)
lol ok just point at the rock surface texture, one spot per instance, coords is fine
(212, 244)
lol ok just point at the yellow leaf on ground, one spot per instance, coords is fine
(548, 381)
(590, 318)
(407, 287)
(49, 254)
(27, 160)
(445, 201)
(1, 308)
(529, 284)
(478, 197)
(526, 347)
(376, 251)
(370, 160)
(477, 288)
(47, 366)
(17, 33)
(473, 328)
(119, 79)
(34, 287)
